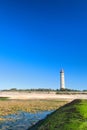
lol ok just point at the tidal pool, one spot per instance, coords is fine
(22, 120)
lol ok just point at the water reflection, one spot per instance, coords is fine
(22, 120)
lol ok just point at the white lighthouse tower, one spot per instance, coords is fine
(62, 82)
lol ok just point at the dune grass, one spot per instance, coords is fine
(13, 106)
(72, 116)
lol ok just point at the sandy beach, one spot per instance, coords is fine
(41, 95)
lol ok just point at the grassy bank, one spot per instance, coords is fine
(3, 98)
(13, 106)
(72, 116)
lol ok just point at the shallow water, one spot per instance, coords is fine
(22, 120)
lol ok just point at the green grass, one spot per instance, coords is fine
(72, 116)
(3, 98)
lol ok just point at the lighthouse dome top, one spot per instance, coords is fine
(61, 71)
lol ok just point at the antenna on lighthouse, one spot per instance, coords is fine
(62, 81)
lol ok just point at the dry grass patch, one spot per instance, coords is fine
(13, 106)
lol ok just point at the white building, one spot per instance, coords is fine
(62, 81)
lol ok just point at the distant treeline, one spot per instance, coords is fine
(46, 90)
(69, 90)
(39, 89)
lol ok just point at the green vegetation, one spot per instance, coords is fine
(72, 116)
(58, 91)
(29, 90)
(3, 98)
(70, 91)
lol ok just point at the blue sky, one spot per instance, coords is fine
(38, 38)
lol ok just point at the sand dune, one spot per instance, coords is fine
(41, 95)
